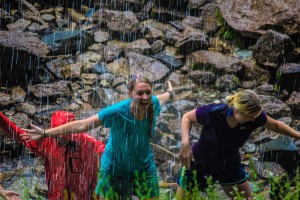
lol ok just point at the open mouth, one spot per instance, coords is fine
(144, 103)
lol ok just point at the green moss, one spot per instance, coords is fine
(278, 74)
(276, 87)
(277, 81)
(226, 32)
(228, 35)
(196, 66)
(220, 19)
(237, 80)
(221, 31)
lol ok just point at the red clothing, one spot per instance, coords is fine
(71, 162)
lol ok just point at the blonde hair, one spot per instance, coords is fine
(150, 111)
(245, 101)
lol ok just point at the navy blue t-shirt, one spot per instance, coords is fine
(218, 145)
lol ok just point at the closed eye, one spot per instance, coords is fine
(147, 92)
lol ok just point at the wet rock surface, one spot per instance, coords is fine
(251, 18)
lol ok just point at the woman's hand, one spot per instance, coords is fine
(35, 133)
(8, 195)
(168, 95)
(186, 155)
(186, 152)
(169, 86)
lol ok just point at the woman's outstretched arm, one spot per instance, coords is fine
(78, 126)
(167, 96)
(280, 127)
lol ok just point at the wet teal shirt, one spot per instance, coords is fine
(128, 148)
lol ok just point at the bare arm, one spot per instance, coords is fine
(186, 154)
(8, 195)
(280, 127)
(165, 97)
(78, 126)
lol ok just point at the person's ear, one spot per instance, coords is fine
(234, 111)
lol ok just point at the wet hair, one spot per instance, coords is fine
(245, 102)
(150, 112)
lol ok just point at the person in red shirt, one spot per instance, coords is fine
(71, 161)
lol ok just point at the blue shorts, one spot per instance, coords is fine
(191, 179)
(143, 185)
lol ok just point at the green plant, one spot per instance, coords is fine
(238, 195)
(282, 187)
(228, 35)
(195, 66)
(237, 80)
(258, 196)
(297, 184)
(220, 19)
(278, 74)
(167, 194)
(25, 192)
(142, 189)
(36, 191)
(211, 190)
(253, 173)
(293, 187)
(276, 87)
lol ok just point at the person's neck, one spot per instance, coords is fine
(231, 122)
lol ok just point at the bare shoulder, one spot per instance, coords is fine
(191, 115)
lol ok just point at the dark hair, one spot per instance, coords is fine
(150, 112)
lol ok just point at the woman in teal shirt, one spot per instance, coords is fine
(127, 165)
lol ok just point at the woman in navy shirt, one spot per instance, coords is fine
(226, 128)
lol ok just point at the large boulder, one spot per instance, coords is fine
(274, 106)
(68, 42)
(273, 49)
(148, 67)
(288, 76)
(123, 25)
(294, 102)
(253, 18)
(21, 53)
(208, 60)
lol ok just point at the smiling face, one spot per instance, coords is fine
(141, 95)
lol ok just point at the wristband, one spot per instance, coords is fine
(172, 94)
(44, 135)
